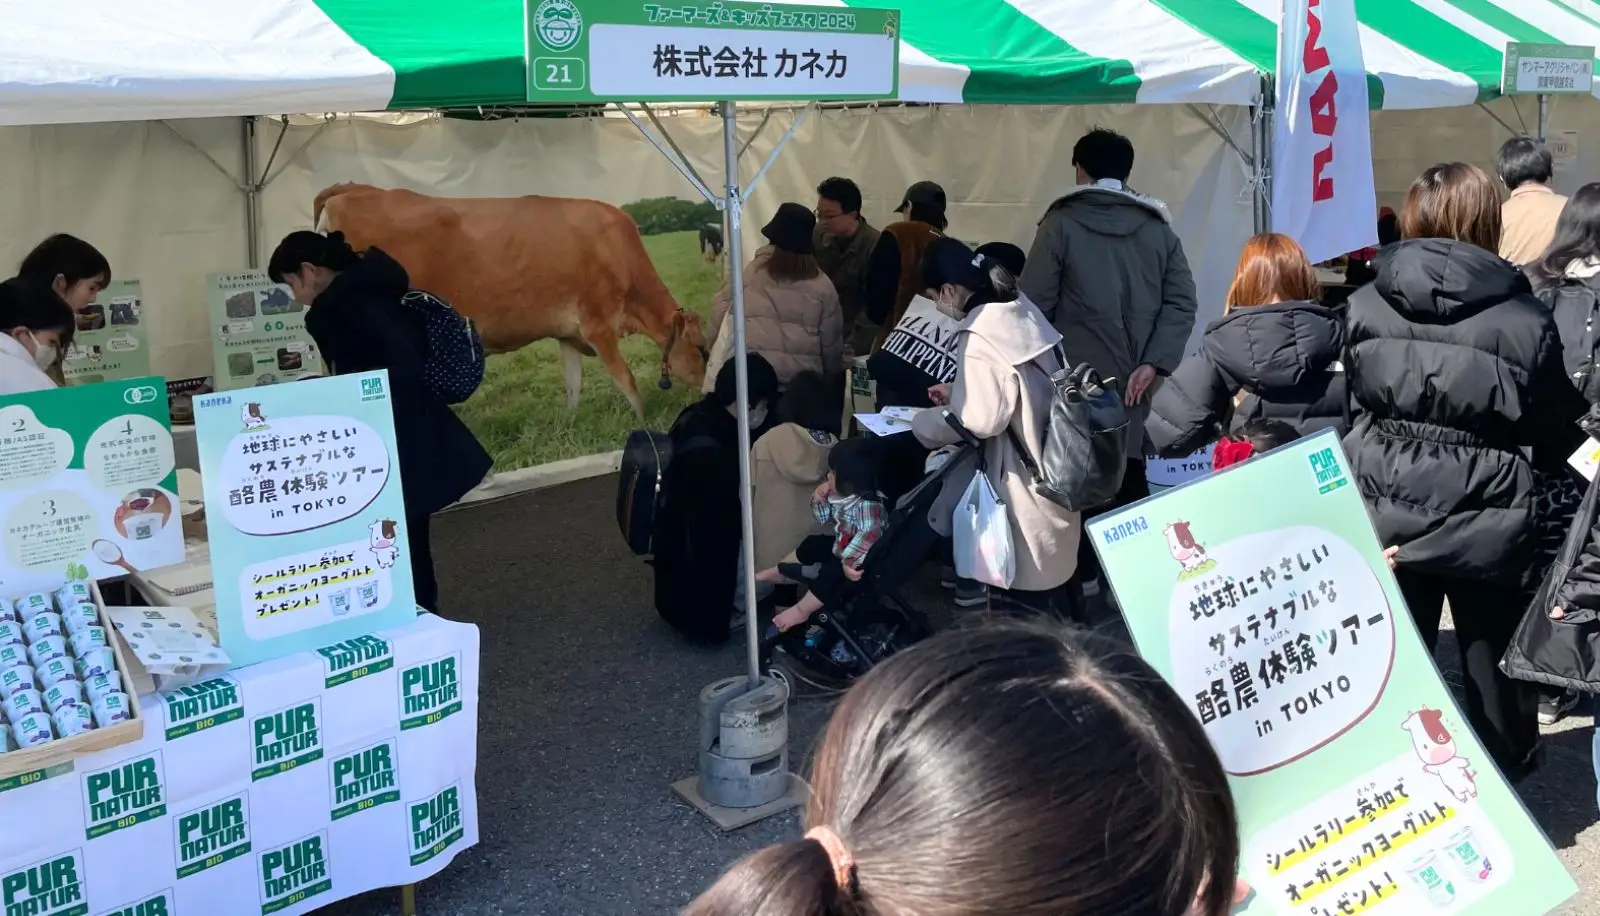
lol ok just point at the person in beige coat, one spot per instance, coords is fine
(788, 463)
(1005, 351)
(792, 313)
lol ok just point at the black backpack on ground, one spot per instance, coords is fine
(645, 457)
(455, 363)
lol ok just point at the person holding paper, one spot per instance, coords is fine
(359, 323)
(1009, 768)
(36, 325)
(1455, 376)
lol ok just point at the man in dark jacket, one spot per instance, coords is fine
(844, 241)
(1109, 272)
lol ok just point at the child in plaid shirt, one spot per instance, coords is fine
(849, 501)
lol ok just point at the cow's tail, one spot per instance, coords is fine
(319, 204)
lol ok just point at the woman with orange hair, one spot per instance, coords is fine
(1273, 355)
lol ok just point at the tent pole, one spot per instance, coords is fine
(252, 196)
(1544, 115)
(733, 203)
(1261, 153)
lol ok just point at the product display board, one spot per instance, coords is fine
(1261, 594)
(305, 514)
(624, 50)
(278, 788)
(87, 485)
(109, 343)
(258, 332)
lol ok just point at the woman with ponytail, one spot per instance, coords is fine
(359, 323)
(1015, 768)
(1005, 352)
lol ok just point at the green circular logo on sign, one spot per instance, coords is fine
(558, 24)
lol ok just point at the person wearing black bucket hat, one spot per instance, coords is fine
(892, 272)
(792, 314)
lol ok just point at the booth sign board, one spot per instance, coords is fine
(109, 344)
(1547, 69)
(589, 51)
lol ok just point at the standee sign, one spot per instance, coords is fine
(1322, 192)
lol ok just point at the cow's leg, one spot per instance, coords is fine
(572, 372)
(605, 346)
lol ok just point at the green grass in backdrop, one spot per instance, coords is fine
(520, 413)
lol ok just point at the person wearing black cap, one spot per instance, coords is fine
(892, 272)
(1006, 351)
(791, 310)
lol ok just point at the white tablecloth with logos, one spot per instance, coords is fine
(278, 788)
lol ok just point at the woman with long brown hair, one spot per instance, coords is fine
(1011, 768)
(1273, 355)
(1456, 378)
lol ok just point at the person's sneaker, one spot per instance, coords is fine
(1553, 707)
(972, 594)
(947, 577)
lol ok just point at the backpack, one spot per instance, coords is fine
(1085, 449)
(1576, 311)
(645, 457)
(455, 360)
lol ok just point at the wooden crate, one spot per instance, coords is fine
(64, 750)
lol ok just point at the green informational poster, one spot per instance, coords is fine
(306, 516)
(258, 332)
(1262, 595)
(109, 343)
(87, 485)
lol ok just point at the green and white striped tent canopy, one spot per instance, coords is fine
(105, 60)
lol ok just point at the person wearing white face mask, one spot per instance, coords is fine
(36, 326)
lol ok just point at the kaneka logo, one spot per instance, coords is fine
(1328, 470)
(121, 796)
(207, 837)
(198, 707)
(53, 887)
(430, 691)
(293, 873)
(435, 824)
(356, 658)
(364, 779)
(286, 739)
(158, 905)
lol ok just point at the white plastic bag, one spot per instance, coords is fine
(981, 531)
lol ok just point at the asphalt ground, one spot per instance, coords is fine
(588, 714)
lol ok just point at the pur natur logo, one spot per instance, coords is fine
(53, 887)
(293, 873)
(124, 795)
(430, 691)
(198, 707)
(158, 905)
(285, 739)
(209, 836)
(435, 824)
(364, 780)
(354, 659)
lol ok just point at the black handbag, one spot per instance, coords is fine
(645, 457)
(1085, 449)
(1560, 653)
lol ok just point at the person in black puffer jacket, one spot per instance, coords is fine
(360, 325)
(1275, 344)
(1456, 379)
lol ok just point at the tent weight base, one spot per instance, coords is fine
(734, 818)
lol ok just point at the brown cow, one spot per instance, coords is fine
(527, 268)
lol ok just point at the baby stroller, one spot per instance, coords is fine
(867, 620)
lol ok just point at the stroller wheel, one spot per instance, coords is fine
(804, 681)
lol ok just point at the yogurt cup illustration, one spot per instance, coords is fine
(369, 594)
(1425, 874)
(339, 598)
(1464, 851)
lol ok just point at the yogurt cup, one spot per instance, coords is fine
(32, 603)
(8, 610)
(54, 671)
(45, 648)
(111, 709)
(42, 623)
(73, 720)
(88, 638)
(23, 703)
(142, 526)
(339, 598)
(12, 656)
(62, 694)
(72, 593)
(99, 685)
(5, 739)
(95, 661)
(76, 617)
(369, 594)
(32, 730)
(15, 678)
(11, 633)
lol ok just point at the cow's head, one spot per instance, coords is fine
(685, 353)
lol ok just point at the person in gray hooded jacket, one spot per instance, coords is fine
(1110, 274)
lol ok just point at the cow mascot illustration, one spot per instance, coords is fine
(1189, 553)
(383, 536)
(1433, 744)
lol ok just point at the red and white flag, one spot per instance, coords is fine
(1322, 193)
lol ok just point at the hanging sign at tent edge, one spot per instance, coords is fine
(1534, 68)
(594, 51)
